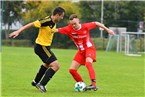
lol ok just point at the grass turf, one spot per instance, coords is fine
(118, 75)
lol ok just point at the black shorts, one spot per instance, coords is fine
(45, 54)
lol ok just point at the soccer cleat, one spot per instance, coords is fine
(91, 87)
(41, 88)
(33, 83)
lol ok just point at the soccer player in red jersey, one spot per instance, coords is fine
(86, 54)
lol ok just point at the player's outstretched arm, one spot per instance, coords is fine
(105, 28)
(16, 33)
(56, 30)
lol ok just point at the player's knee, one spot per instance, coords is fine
(55, 65)
(88, 64)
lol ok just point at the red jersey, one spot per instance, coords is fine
(81, 37)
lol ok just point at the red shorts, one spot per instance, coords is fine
(81, 56)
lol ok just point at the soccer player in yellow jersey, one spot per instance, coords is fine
(42, 45)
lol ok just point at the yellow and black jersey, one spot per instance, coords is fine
(46, 31)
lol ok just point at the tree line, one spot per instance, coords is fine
(116, 14)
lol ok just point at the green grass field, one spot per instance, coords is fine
(118, 75)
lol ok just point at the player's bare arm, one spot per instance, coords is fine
(16, 33)
(105, 28)
(56, 30)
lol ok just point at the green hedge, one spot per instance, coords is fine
(19, 43)
(100, 44)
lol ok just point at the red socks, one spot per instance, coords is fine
(92, 73)
(75, 75)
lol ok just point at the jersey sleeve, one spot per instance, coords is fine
(90, 25)
(37, 23)
(42, 22)
(63, 30)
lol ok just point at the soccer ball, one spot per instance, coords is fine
(80, 86)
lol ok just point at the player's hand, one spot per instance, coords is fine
(14, 34)
(111, 32)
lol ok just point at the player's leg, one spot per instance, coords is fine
(41, 71)
(91, 70)
(73, 71)
(90, 57)
(39, 75)
(53, 67)
(76, 63)
(50, 62)
(92, 74)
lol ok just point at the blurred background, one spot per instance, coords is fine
(15, 14)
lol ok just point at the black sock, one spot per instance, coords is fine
(48, 75)
(40, 73)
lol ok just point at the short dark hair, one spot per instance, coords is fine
(58, 10)
(72, 16)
